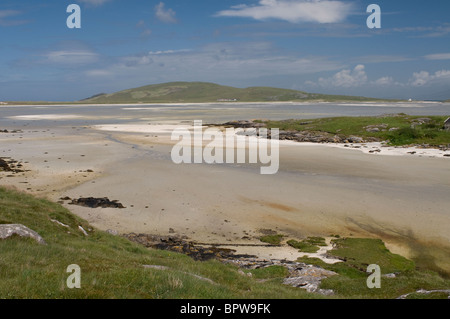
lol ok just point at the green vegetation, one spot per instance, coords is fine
(113, 267)
(308, 245)
(272, 239)
(270, 272)
(397, 129)
(197, 92)
(357, 254)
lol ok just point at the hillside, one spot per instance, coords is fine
(198, 92)
(114, 267)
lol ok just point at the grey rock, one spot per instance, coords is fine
(112, 232)
(426, 292)
(309, 278)
(9, 230)
(158, 267)
(355, 139)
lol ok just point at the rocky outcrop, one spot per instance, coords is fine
(9, 165)
(181, 245)
(9, 230)
(309, 277)
(426, 292)
(251, 128)
(95, 202)
(301, 275)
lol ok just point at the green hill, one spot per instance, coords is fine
(197, 92)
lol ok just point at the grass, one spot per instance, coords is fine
(113, 267)
(357, 254)
(196, 92)
(308, 245)
(270, 272)
(272, 239)
(399, 129)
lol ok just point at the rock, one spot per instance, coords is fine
(158, 267)
(309, 278)
(83, 231)
(376, 128)
(426, 292)
(59, 223)
(8, 230)
(96, 202)
(112, 232)
(355, 139)
(9, 165)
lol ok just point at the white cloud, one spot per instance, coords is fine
(69, 57)
(168, 52)
(8, 13)
(438, 56)
(94, 2)
(384, 81)
(346, 78)
(165, 15)
(326, 11)
(218, 62)
(423, 78)
(7, 18)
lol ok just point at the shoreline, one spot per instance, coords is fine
(407, 103)
(320, 189)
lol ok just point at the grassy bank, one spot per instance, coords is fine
(399, 275)
(113, 267)
(398, 129)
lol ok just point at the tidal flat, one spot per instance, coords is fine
(123, 152)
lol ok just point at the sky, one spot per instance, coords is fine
(321, 46)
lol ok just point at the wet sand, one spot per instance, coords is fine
(319, 190)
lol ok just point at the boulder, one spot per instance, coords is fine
(8, 230)
(309, 278)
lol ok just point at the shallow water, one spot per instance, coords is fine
(209, 113)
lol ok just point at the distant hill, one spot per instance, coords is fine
(198, 92)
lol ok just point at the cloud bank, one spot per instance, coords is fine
(326, 11)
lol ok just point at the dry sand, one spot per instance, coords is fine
(319, 190)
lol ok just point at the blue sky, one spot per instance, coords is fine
(320, 46)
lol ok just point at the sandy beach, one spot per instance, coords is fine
(318, 190)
